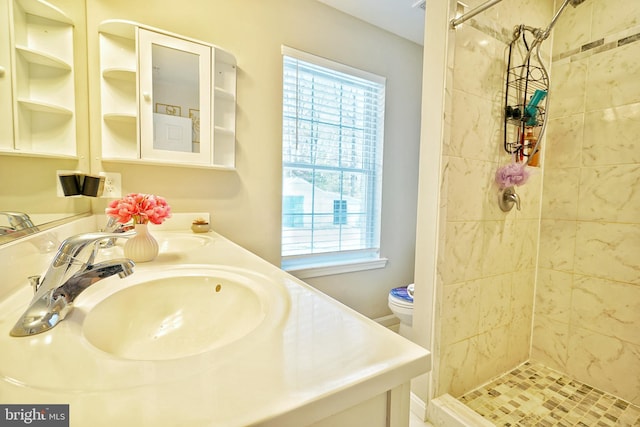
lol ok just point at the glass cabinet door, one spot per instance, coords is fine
(174, 99)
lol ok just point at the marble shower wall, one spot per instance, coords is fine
(587, 306)
(487, 258)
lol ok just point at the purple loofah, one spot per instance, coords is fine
(512, 174)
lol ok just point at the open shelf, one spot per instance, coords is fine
(43, 58)
(44, 107)
(43, 82)
(126, 74)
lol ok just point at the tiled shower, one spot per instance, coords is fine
(558, 282)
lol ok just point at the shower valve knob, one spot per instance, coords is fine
(507, 198)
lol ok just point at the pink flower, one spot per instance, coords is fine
(141, 207)
(511, 174)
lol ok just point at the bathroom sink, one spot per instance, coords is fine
(181, 243)
(179, 312)
(168, 243)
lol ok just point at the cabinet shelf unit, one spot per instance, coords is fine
(42, 65)
(133, 108)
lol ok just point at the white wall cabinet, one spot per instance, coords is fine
(37, 68)
(166, 99)
(6, 102)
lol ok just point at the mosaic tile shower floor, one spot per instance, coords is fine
(534, 395)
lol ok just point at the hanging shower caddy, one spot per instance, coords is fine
(527, 86)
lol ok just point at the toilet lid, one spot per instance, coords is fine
(402, 294)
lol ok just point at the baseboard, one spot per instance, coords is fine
(418, 407)
(390, 321)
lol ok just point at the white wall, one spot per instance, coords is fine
(246, 205)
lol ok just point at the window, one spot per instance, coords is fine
(333, 122)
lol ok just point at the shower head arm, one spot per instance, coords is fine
(544, 34)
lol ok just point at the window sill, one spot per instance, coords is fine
(319, 270)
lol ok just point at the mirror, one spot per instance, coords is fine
(47, 52)
(176, 99)
(175, 76)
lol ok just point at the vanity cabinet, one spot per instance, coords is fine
(166, 99)
(37, 68)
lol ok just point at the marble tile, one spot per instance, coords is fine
(476, 133)
(597, 45)
(519, 336)
(460, 256)
(443, 207)
(564, 141)
(631, 38)
(605, 362)
(526, 246)
(591, 174)
(611, 16)
(610, 193)
(530, 12)
(550, 342)
(520, 323)
(578, 22)
(557, 244)
(503, 17)
(612, 79)
(608, 250)
(553, 295)
(560, 193)
(460, 311)
(567, 89)
(479, 64)
(457, 370)
(611, 136)
(501, 238)
(523, 284)
(494, 302)
(492, 346)
(471, 190)
(530, 196)
(607, 307)
(533, 394)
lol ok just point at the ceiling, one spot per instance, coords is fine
(404, 18)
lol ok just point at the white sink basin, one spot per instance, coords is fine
(180, 312)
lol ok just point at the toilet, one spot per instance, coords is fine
(401, 304)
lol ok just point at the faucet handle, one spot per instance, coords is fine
(516, 199)
(74, 245)
(113, 226)
(507, 199)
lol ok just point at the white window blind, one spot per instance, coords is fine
(333, 125)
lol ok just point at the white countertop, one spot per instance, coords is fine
(317, 358)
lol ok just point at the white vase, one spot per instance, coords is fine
(142, 247)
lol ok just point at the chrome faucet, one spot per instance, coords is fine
(65, 279)
(18, 221)
(113, 226)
